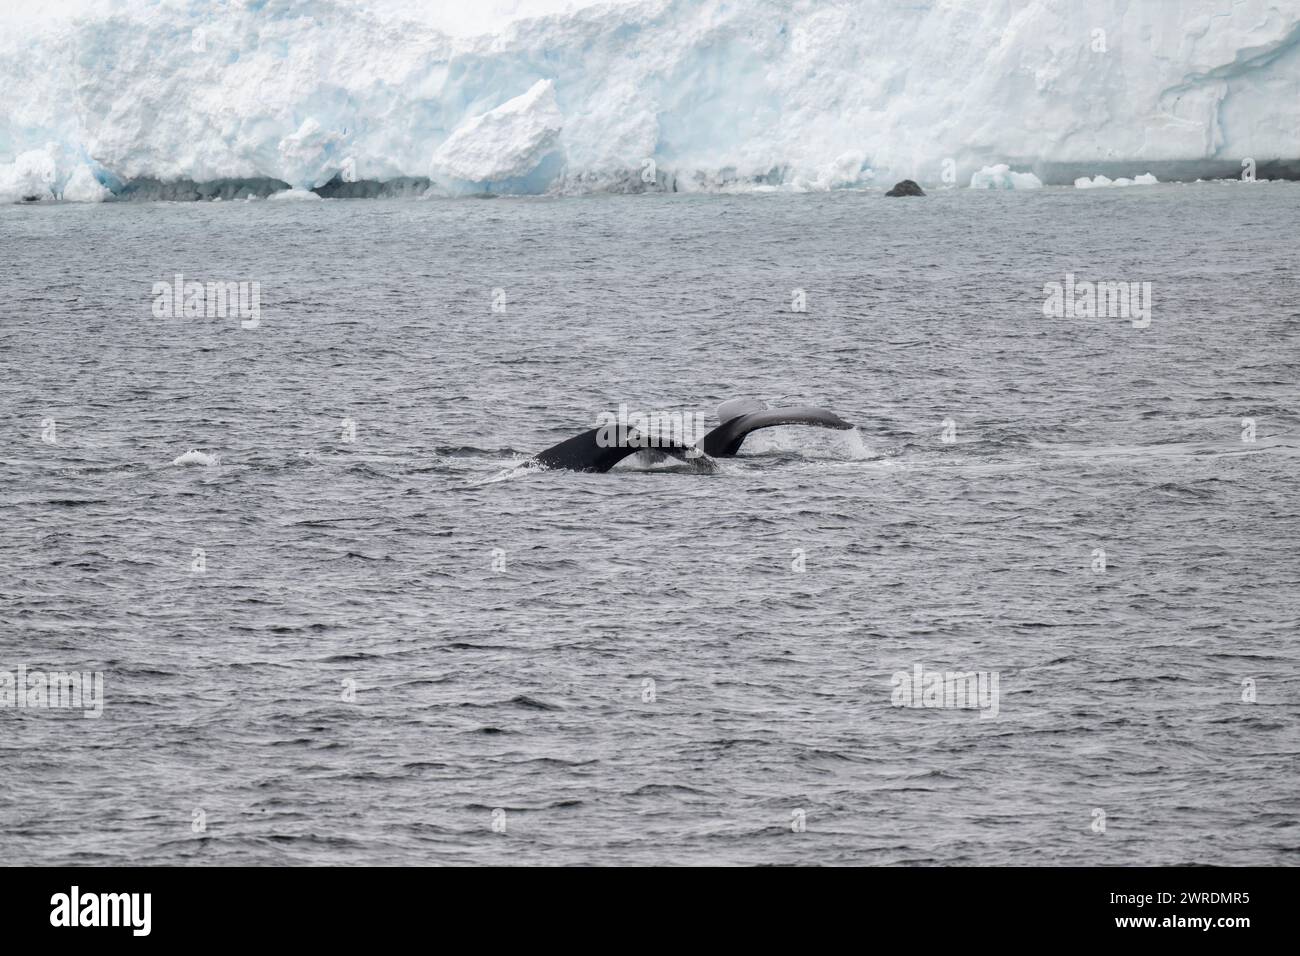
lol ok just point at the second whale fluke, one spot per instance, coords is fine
(725, 440)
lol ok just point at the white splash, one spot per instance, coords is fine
(527, 466)
(195, 457)
(852, 444)
(295, 195)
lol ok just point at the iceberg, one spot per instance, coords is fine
(1099, 181)
(196, 99)
(1003, 176)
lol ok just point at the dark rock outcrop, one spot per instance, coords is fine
(906, 188)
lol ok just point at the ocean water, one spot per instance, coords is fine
(402, 648)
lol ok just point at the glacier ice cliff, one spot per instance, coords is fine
(660, 94)
(509, 143)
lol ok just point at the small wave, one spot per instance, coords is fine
(655, 789)
(195, 457)
(532, 703)
(470, 451)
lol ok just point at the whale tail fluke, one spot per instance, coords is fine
(593, 450)
(735, 407)
(726, 439)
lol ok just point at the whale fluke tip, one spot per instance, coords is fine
(735, 407)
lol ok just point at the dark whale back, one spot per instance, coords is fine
(583, 453)
(725, 440)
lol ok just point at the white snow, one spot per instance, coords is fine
(1003, 176)
(790, 94)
